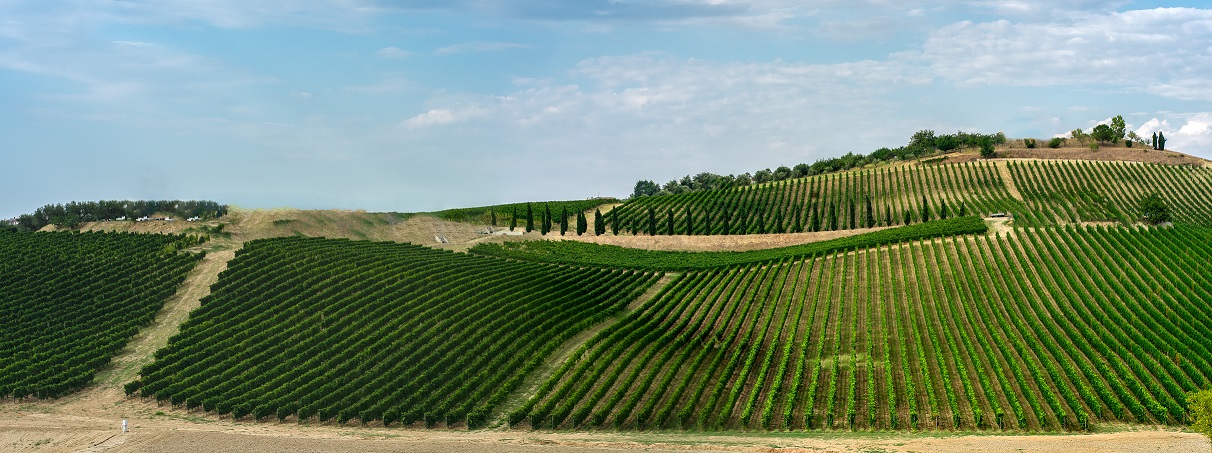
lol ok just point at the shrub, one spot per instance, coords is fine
(986, 149)
(1093, 146)
(1155, 209)
(1056, 142)
(1200, 406)
(1029, 142)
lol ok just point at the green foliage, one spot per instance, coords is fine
(529, 218)
(1199, 404)
(1029, 142)
(69, 302)
(73, 214)
(1154, 208)
(1103, 133)
(359, 330)
(599, 224)
(1093, 146)
(486, 214)
(1118, 128)
(1053, 329)
(986, 149)
(588, 254)
(1056, 142)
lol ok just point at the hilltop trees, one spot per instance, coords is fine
(529, 218)
(513, 219)
(599, 227)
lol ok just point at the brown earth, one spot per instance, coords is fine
(1117, 153)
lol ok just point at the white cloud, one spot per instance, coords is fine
(393, 53)
(1164, 51)
(439, 117)
(479, 47)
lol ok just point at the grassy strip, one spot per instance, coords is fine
(587, 254)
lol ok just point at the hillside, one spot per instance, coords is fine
(874, 299)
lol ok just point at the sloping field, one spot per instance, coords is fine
(70, 302)
(586, 254)
(879, 196)
(1056, 330)
(1064, 192)
(1052, 193)
(337, 329)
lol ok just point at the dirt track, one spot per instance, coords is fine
(36, 431)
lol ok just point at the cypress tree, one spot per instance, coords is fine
(614, 223)
(761, 222)
(599, 228)
(544, 222)
(815, 223)
(1154, 142)
(870, 213)
(582, 224)
(493, 216)
(853, 215)
(547, 217)
(832, 216)
(778, 223)
(652, 222)
(669, 226)
(1161, 141)
(564, 221)
(689, 222)
(799, 226)
(908, 217)
(942, 210)
(963, 209)
(529, 218)
(513, 219)
(925, 209)
(727, 218)
(888, 216)
(707, 222)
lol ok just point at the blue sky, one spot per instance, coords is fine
(423, 105)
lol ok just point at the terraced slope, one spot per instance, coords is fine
(1054, 330)
(1063, 192)
(1052, 193)
(875, 197)
(312, 327)
(70, 302)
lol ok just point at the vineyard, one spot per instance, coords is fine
(882, 196)
(70, 302)
(587, 254)
(1109, 191)
(1055, 330)
(338, 329)
(1057, 192)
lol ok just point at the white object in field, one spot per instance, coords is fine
(123, 426)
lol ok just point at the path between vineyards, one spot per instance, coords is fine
(108, 385)
(1003, 167)
(531, 384)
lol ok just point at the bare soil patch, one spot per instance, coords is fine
(1105, 153)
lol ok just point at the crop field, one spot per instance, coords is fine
(1055, 192)
(1109, 191)
(70, 302)
(585, 254)
(338, 329)
(1050, 331)
(875, 197)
